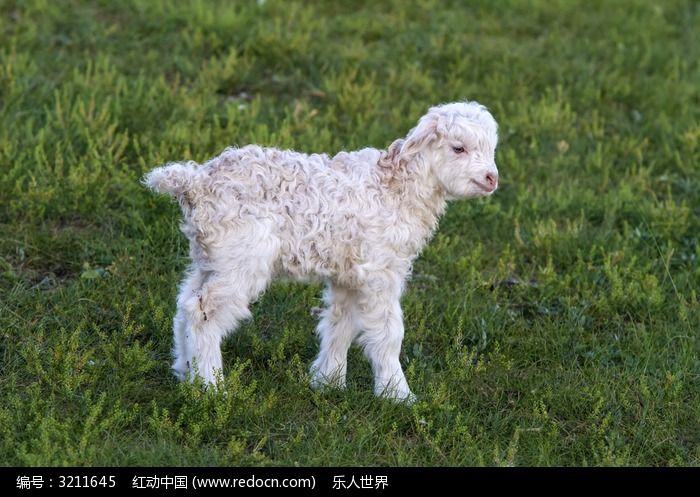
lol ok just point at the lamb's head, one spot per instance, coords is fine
(457, 142)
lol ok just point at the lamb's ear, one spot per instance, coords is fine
(390, 158)
(419, 137)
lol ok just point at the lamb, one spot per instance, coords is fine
(355, 221)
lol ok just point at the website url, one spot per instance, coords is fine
(253, 482)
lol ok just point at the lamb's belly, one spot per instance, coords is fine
(312, 260)
(302, 263)
(297, 275)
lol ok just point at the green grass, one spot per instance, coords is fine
(555, 323)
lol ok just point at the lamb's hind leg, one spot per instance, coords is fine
(209, 307)
(183, 348)
(336, 331)
(211, 304)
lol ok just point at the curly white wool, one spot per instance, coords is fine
(356, 220)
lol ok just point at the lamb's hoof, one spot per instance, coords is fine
(180, 373)
(321, 382)
(405, 397)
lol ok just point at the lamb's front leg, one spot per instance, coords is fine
(336, 331)
(381, 319)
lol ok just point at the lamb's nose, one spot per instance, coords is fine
(492, 180)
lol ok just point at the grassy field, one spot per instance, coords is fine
(555, 323)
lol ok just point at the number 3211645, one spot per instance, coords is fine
(85, 481)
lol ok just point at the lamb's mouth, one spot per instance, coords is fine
(485, 188)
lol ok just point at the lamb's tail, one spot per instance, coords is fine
(176, 179)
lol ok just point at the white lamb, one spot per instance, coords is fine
(356, 221)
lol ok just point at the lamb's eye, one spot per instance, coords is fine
(458, 150)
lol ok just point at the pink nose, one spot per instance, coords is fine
(492, 180)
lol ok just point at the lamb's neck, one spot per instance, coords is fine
(424, 200)
(413, 188)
